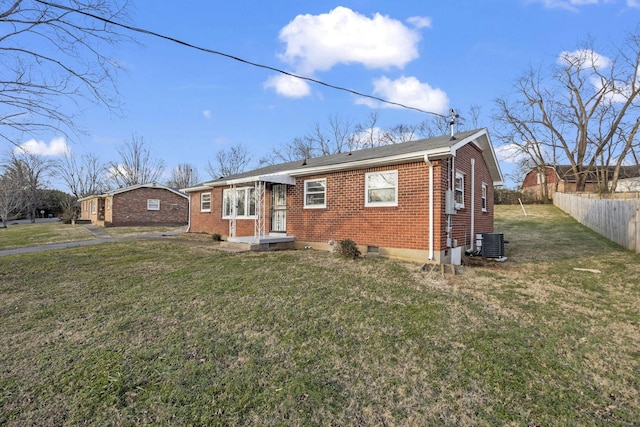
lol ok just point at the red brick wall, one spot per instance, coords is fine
(130, 208)
(345, 216)
(461, 222)
(402, 226)
(212, 222)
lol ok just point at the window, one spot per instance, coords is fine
(94, 206)
(459, 190)
(153, 204)
(244, 201)
(205, 202)
(484, 197)
(315, 193)
(381, 188)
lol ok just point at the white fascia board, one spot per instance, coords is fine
(362, 164)
(278, 179)
(198, 188)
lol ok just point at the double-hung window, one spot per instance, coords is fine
(241, 201)
(459, 190)
(484, 197)
(381, 188)
(153, 204)
(315, 193)
(205, 202)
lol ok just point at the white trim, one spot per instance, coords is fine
(455, 189)
(368, 203)
(324, 193)
(151, 202)
(247, 203)
(484, 196)
(201, 196)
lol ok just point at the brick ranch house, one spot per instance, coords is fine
(144, 204)
(414, 201)
(539, 186)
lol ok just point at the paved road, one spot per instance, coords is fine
(100, 237)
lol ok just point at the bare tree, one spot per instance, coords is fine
(584, 111)
(83, 175)
(298, 149)
(30, 172)
(333, 138)
(368, 134)
(184, 175)
(136, 164)
(10, 195)
(51, 55)
(231, 161)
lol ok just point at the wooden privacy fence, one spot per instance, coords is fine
(616, 219)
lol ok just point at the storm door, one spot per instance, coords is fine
(278, 208)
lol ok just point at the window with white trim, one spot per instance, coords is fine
(484, 197)
(381, 188)
(153, 204)
(459, 190)
(205, 202)
(94, 204)
(242, 201)
(315, 193)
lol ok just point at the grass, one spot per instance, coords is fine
(169, 333)
(20, 235)
(15, 236)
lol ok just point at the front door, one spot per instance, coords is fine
(279, 208)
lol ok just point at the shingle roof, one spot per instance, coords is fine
(393, 152)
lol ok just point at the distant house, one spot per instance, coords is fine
(538, 186)
(145, 204)
(416, 200)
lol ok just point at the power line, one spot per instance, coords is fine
(235, 58)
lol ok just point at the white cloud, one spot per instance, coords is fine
(420, 22)
(510, 153)
(408, 91)
(342, 36)
(634, 4)
(206, 114)
(288, 86)
(584, 58)
(571, 5)
(57, 147)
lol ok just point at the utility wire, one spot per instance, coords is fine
(235, 58)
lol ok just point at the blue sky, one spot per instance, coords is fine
(188, 104)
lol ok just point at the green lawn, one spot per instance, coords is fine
(15, 236)
(173, 332)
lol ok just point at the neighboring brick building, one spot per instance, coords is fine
(416, 200)
(145, 204)
(540, 187)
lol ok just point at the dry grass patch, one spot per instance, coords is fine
(16, 236)
(176, 333)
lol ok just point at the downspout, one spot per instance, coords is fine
(189, 216)
(427, 161)
(473, 201)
